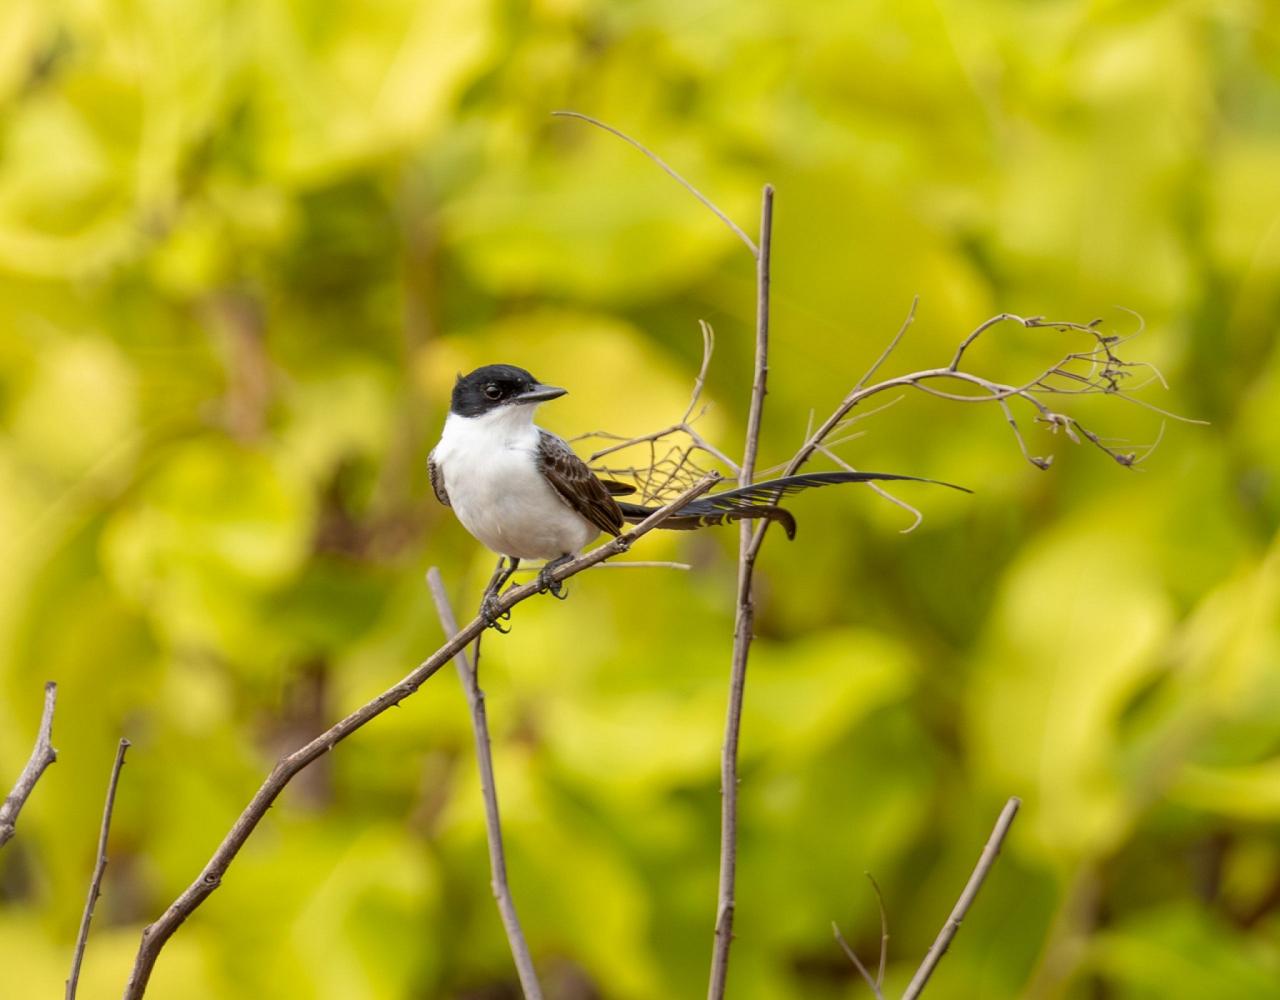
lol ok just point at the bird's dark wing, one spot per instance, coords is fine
(770, 490)
(577, 485)
(437, 480)
(617, 489)
(760, 500)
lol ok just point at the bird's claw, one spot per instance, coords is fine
(546, 585)
(493, 614)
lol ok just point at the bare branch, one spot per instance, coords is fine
(669, 170)
(99, 868)
(744, 620)
(1104, 372)
(985, 862)
(468, 673)
(978, 332)
(42, 755)
(155, 935)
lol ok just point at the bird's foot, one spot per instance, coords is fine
(492, 613)
(546, 585)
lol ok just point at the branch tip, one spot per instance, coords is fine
(42, 755)
(983, 868)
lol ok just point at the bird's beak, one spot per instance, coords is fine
(541, 393)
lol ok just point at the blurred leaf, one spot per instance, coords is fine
(1074, 635)
(214, 523)
(1182, 951)
(1248, 792)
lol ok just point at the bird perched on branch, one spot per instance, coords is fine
(522, 491)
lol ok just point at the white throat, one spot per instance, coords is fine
(497, 427)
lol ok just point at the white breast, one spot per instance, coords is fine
(490, 469)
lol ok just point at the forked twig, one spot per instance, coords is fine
(876, 984)
(468, 673)
(99, 868)
(42, 755)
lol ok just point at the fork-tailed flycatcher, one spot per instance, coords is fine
(523, 492)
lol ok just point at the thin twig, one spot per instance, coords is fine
(857, 962)
(100, 867)
(893, 344)
(876, 984)
(155, 935)
(744, 620)
(670, 171)
(467, 672)
(987, 859)
(42, 755)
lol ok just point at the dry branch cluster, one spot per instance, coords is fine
(678, 453)
(681, 464)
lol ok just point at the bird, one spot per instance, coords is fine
(522, 492)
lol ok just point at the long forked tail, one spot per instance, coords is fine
(760, 500)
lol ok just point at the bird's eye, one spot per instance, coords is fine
(491, 391)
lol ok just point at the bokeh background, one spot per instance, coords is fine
(245, 247)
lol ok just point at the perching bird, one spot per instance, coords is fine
(522, 491)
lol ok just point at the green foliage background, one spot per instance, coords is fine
(244, 247)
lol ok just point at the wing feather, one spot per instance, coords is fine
(578, 485)
(771, 490)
